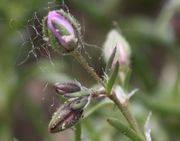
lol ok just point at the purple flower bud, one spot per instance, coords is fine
(68, 115)
(61, 26)
(123, 52)
(121, 55)
(64, 88)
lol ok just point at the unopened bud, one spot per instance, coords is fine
(65, 88)
(115, 39)
(68, 115)
(61, 30)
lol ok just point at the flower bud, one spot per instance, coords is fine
(65, 89)
(68, 115)
(61, 30)
(115, 39)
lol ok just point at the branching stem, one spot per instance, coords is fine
(127, 114)
(122, 106)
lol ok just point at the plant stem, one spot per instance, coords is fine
(123, 107)
(86, 66)
(78, 132)
(125, 111)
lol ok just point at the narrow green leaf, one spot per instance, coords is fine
(93, 133)
(112, 78)
(97, 106)
(125, 130)
(110, 61)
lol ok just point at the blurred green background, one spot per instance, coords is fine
(28, 68)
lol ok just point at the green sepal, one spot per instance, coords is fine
(76, 94)
(75, 24)
(127, 78)
(44, 28)
(54, 43)
(112, 78)
(110, 61)
(79, 103)
(124, 129)
(48, 37)
(61, 29)
(64, 32)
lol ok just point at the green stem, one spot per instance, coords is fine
(125, 111)
(89, 69)
(123, 107)
(78, 132)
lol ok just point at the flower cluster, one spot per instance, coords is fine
(63, 34)
(71, 111)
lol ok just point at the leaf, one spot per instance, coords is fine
(125, 130)
(110, 61)
(97, 106)
(92, 132)
(112, 78)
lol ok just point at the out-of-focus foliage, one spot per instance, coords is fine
(27, 100)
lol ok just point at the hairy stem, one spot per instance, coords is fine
(89, 69)
(125, 111)
(123, 107)
(78, 132)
